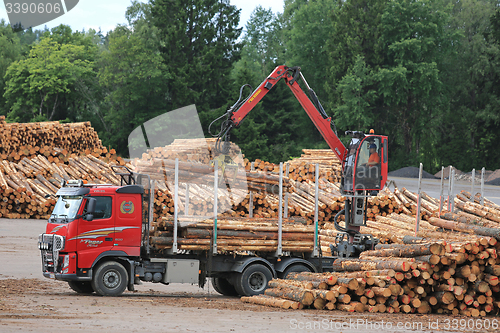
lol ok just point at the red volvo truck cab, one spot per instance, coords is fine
(88, 224)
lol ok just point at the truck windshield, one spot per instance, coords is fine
(66, 208)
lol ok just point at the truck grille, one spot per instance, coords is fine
(50, 245)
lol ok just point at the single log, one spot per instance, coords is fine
(365, 265)
(395, 250)
(444, 297)
(268, 301)
(320, 303)
(492, 232)
(463, 217)
(325, 294)
(344, 298)
(278, 283)
(384, 292)
(207, 233)
(303, 296)
(350, 283)
(494, 270)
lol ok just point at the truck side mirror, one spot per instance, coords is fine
(91, 206)
(88, 217)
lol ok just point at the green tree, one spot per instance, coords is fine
(263, 43)
(199, 46)
(355, 53)
(387, 59)
(307, 29)
(474, 76)
(37, 86)
(276, 128)
(357, 93)
(10, 51)
(132, 76)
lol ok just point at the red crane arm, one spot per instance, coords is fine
(319, 118)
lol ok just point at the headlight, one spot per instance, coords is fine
(66, 261)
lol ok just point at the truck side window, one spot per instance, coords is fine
(103, 207)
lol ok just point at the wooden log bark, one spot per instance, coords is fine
(361, 265)
(303, 296)
(268, 301)
(452, 225)
(404, 250)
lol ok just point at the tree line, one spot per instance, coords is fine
(424, 72)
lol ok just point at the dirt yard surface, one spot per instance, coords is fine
(31, 303)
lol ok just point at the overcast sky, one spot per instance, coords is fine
(106, 14)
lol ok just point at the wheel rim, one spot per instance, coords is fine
(257, 281)
(111, 279)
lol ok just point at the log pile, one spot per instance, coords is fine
(457, 277)
(300, 201)
(27, 188)
(235, 234)
(53, 140)
(193, 150)
(303, 168)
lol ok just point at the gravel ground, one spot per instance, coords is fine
(410, 172)
(491, 177)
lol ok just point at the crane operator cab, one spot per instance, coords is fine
(365, 167)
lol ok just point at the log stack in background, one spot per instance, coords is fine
(25, 185)
(303, 168)
(193, 150)
(195, 154)
(54, 140)
(36, 157)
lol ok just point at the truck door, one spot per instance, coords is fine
(96, 236)
(128, 223)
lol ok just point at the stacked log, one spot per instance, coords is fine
(200, 150)
(429, 277)
(303, 168)
(262, 181)
(475, 213)
(27, 188)
(53, 140)
(235, 234)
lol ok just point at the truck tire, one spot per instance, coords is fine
(253, 280)
(110, 279)
(224, 287)
(81, 287)
(295, 269)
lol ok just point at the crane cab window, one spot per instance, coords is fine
(103, 207)
(368, 167)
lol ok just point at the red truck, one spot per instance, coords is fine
(97, 239)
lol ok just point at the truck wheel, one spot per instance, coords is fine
(295, 269)
(81, 287)
(253, 280)
(224, 287)
(110, 279)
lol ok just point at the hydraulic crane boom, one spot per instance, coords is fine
(364, 162)
(316, 113)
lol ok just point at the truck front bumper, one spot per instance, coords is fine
(67, 277)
